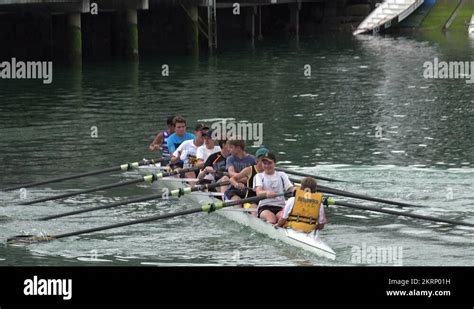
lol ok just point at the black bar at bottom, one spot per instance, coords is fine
(241, 285)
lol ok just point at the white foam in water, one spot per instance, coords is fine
(177, 264)
(83, 259)
(215, 119)
(356, 216)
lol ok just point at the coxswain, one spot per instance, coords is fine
(304, 212)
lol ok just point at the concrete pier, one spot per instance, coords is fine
(131, 32)
(250, 22)
(192, 29)
(295, 19)
(74, 33)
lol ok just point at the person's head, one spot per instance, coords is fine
(169, 123)
(259, 155)
(269, 162)
(179, 124)
(225, 148)
(199, 131)
(309, 184)
(237, 146)
(208, 141)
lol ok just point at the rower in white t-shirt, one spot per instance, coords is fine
(271, 182)
(203, 152)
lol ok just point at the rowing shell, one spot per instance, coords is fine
(309, 242)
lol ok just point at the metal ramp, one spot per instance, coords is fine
(471, 26)
(387, 14)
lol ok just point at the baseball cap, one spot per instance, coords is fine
(208, 133)
(261, 151)
(269, 156)
(201, 126)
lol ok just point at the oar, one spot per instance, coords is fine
(173, 193)
(307, 175)
(325, 189)
(331, 201)
(123, 167)
(208, 207)
(149, 178)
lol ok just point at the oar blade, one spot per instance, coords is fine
(28, 239)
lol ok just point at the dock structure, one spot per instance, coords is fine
(77, 29)
(65, 25)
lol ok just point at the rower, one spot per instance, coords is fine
(214, 167)
(161, 140)
(180, 135)
(304, 212)
(203, 152)
(270, 183)
(238, 160)
(186, 152)
(247, 190)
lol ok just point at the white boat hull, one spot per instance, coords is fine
(308, 242)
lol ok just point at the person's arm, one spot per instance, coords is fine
(230, 166)
(322, 217)
(157, 141)
(286, 212)
(204, 171)
(259, 187)
(235, 180)
(289, 187)
(175, 157)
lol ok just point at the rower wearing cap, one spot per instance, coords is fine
(247, 190)
(203, 152)
(269, 183)
(304, 212)
(161, 140)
